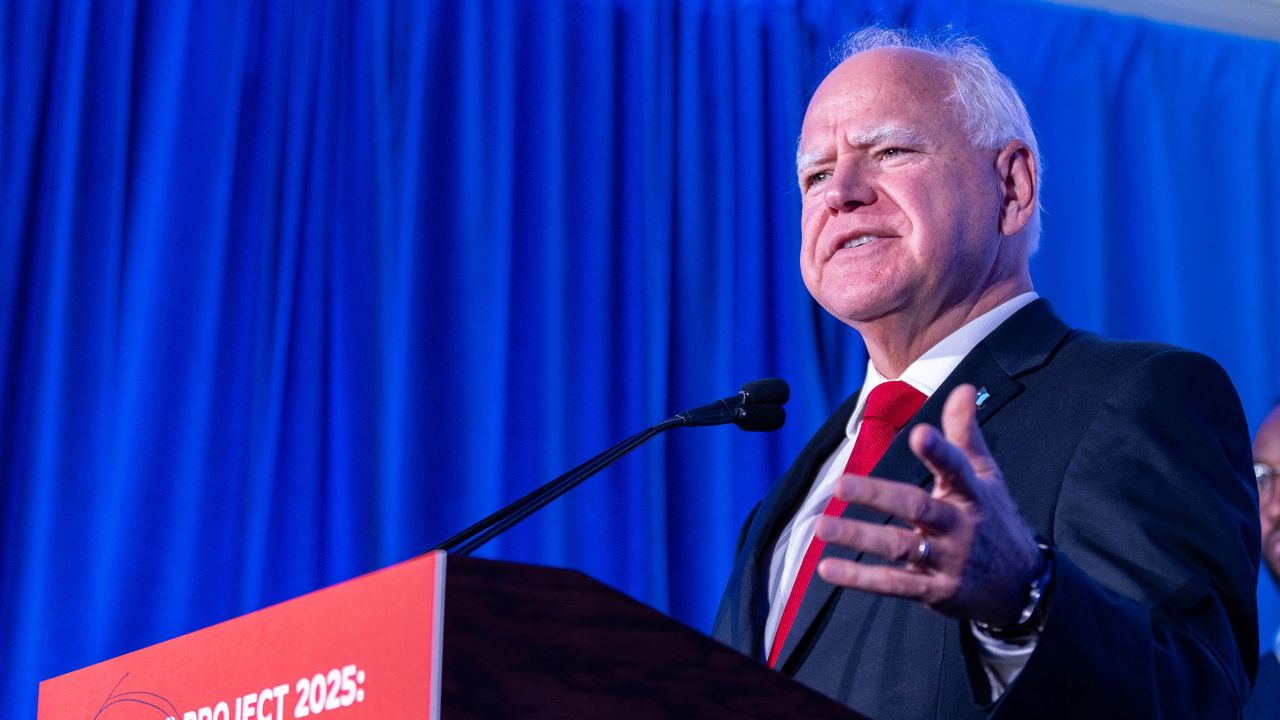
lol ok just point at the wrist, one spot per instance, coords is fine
(1030, 621)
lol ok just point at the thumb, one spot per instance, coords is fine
(960, 426)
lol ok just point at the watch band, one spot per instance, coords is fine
(1032, 618)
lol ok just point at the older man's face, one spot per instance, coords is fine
(900, 209)
(1266, 449)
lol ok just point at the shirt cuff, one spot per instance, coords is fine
(1002, 660)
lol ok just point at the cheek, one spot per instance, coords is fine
(812, 220)
(957, 238)
(958, 192)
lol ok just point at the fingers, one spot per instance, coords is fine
(908, 503)
(895, 544)
(967, 515)
(879, 579)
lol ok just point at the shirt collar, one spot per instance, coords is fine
(927, 372)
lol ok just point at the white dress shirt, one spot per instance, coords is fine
(1001, 660)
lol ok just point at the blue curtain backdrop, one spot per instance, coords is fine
(291, 290)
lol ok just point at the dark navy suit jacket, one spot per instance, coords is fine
(1132, 460)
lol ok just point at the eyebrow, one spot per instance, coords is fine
(883, 134)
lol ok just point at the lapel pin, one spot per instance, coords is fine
(982, 396)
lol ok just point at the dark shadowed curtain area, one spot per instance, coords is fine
(291, 290)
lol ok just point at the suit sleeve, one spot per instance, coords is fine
(1153, 611)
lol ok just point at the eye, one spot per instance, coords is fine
(817, 177)
(893, 152)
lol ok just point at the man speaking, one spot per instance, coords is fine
(1011, 517)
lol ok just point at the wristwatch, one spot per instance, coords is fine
(1031, 621)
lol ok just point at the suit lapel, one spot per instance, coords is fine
(747, 632)
(1020, 345)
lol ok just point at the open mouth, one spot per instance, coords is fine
(858, 241)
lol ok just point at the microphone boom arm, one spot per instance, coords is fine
(466, 541)
(757, 407)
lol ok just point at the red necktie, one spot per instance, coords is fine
(889, 406)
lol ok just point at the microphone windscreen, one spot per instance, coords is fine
(761, 418)
(768, 391)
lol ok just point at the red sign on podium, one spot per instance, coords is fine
(368, 648)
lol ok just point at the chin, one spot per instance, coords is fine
(843, 295)
(859, 309)
(848, 313)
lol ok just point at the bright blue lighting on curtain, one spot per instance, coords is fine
(290, 291)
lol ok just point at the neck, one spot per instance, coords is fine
(897, 340)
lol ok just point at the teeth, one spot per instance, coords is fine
(858, 242)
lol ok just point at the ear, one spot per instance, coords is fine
(1018, 189)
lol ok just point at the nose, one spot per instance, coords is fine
(848, 189)
(1271, 504)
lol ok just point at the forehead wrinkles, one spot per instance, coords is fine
(877, 85)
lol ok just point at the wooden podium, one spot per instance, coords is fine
(438, 636)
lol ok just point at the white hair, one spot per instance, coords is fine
(986, 100)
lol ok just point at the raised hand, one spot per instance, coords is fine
(967, 554)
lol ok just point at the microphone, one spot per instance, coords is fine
(757, 407)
